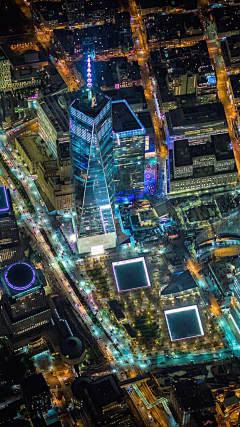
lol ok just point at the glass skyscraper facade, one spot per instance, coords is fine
(129, 152)
(92, 170)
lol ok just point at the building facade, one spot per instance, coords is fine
(56, 187)
(191, 399)
(104, 401)
(91, 149)
(201, 166)
(129, 152)
(10, 245)
(30, 152)
(53, 120)
(75, 12)
(196, 123)
(5, 73)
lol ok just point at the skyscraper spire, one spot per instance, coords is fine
(89, 78)
(89, 72)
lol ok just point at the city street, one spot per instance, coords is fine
(142, 56)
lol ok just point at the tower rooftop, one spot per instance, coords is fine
(90, 105)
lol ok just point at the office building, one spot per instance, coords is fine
(226, 20)
(104, 401)
(10, 246)
(231, 51)
(51, 14)
(56, 187)
(202, 166)
(133, 95)
(150, 138)
(63, 40)
(22, 79)
(91, 148)
(107, 39)
(53, 119)
(235, 88)
(99, 13)
(116, 73)
(31, 151)
(128, 151)
(54, 175)
(146, 7)
(75, 12)
(23, 304)
(189, 399)
(196, 123)
(29, 58)
(176, 26)
(63, 159)
(7, 109)
(54, 179)
(185, 76)
(36, 395)
(5, 73)
(236, 288)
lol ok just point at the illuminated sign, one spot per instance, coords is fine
(184, 322)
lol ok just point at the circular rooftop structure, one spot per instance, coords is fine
(79, 385)
(20, 276)
(72, 347)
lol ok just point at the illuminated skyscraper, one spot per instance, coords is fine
(129, 152)
(92, 169)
